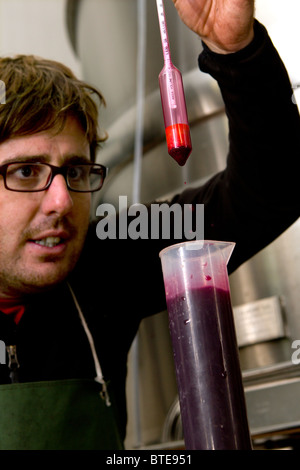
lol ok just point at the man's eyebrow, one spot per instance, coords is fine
(26, 158)
(76, 159)
(69, 159)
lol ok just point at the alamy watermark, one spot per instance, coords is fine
(296, 354)
(2, 92)
(158, 220)
(2, 352)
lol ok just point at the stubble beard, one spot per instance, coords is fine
(18, 278)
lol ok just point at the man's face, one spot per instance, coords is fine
(42, 233)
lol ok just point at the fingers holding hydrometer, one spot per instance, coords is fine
(172, 98)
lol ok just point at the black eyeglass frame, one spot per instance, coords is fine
(55, 170)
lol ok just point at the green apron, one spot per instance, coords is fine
(59, 415)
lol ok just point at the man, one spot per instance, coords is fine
(72, 304)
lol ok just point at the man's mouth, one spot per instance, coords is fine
(49, 242)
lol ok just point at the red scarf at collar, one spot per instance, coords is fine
(10, 307)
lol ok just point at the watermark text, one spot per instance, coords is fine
(296, 354)
(2, 352)
(156, 221)
(2, 92)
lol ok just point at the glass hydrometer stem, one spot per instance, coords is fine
(173, 99)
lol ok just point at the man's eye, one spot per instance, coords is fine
(76, 173)
(27, 171)
(23, 171)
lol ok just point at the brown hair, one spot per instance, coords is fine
(41, 94)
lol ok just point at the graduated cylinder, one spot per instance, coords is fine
(211, 394)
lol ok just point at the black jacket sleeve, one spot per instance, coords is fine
(257, 196)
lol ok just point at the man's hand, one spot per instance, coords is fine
(226, 26)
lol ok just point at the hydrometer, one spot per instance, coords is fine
(172, 98)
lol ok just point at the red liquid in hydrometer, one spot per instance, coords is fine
(179, 142)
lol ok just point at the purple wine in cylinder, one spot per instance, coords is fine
(211, 393)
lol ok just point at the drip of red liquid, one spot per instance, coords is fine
(179, 142)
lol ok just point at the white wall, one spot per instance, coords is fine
(36, 27)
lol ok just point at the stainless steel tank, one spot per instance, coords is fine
(266, 290)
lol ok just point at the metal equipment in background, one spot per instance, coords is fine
(265, 291)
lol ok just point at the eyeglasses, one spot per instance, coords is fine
(27, 177)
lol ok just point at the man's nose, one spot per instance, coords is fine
(57, 198)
